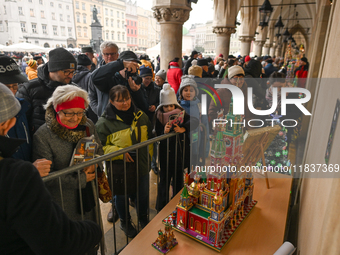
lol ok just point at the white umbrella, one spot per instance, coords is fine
(25, 47)
(2, 47)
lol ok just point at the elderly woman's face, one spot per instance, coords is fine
(122, 104)
(159, 81)
(237, 80)
(71, 117)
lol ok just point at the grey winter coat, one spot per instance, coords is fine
(56, 143)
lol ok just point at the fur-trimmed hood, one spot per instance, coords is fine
(70, 135)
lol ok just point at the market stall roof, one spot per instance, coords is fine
(25, 47)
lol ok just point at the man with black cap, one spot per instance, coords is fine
(56, 72)
(82, 77)
(119, 73)
(193, 56)
(30, 222)
(39, 60)
(202, 62)
(269, 68)
(88, 51)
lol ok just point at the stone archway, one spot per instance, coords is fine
(46, 45)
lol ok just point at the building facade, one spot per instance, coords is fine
(46, 23)
(131, 25)
(143, 20)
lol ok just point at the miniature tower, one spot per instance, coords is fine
(233, 137)
(218, 147)
(183, 208)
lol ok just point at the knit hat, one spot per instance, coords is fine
(221, 55)
(32, 63)
(9, 105)
(194, 62)
(145, 71)
(202, 62)
(83, 60)
(235, 70)
(247, 58)
(10, 71)
(195, 70)
(161, 73)
(167, 96)
(87, 49)
(61, 59)
(188, 80)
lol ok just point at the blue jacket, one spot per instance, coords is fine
(193, 109)
(269, 69)
(21, 130)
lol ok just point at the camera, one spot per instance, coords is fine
(135, 77)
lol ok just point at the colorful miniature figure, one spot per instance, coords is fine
(166, 240)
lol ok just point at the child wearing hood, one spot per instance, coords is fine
(188, 93)
(169, 106)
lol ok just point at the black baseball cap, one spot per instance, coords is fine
(129, 56)
(10, 71)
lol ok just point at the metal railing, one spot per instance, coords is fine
(108, 157)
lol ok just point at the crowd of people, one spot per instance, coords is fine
(122, 100)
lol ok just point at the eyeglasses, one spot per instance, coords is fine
(110, 54)
(71, 114)
(239, 78)
(123, 101)
(67, 73)
(14, 87)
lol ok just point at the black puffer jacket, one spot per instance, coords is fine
(82, 77)
(37, 92)
(152, 91)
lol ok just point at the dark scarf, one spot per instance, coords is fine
(126, 116)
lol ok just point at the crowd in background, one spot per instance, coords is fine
(121, 99)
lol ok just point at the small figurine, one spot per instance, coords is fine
(166, 240)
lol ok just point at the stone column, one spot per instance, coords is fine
(266, 49)
(258, 48)
(171, 18)
(272, 51)
(245, 44)
(223, 39)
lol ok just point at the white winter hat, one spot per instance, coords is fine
(167, 96)
(235, 70)
(188, 80)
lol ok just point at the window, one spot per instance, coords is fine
(84, 18)
(5, 11)
(62, 29)
(98, 8)
(31, 12)
(67, 7)
(40, 1)
(111, 22)
(122, 24)
(79, 31)
(61, 17)
(53, 15)
(118, 36)
(68, 18)
(135, 23)
(122, 15)
(30, 1)
(55, 30)
(117, 14)
(191, 222)
(123, 36)
(128, 31)
(77, 5)
(22, 25)
(117, 23)
(60, 6)
(128, 40)
(70, 31)
(44, 29)
(135, 32)
(78, 17)
(112, 35)
(51, 4)
(111, 12)
(83, 6)
(128, 23)
(20, 11)
(42, 14)
(107, 36)
(106, 22)
(85, 31)
(106, 11)
(34, 28)
(139, 41)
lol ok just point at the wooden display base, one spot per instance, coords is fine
(228, 233)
